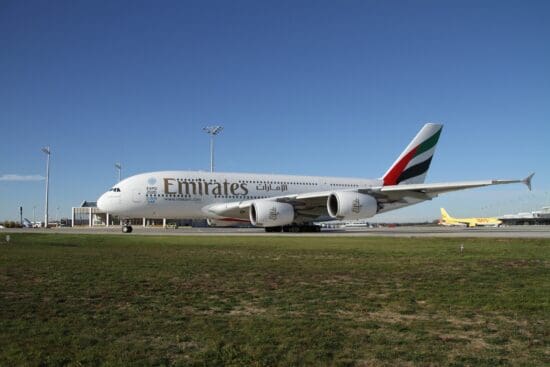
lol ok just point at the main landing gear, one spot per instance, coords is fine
(294, 228)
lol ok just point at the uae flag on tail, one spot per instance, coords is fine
(412, 165)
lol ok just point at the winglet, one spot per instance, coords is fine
(527, 180)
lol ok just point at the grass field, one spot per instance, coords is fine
(273, 301)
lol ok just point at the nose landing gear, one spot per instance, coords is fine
(126, 227)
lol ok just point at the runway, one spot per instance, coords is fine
(405, 231)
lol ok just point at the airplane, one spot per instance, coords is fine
(283, 202)
(447, 220)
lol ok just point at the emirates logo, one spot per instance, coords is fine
(356, 206)
(273, 213)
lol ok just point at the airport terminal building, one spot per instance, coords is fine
(89, 215)
(538, 217)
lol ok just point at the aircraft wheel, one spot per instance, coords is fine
(127, 229)
(307, 228)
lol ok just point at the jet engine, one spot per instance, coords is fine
(348, 205)
(271, 214)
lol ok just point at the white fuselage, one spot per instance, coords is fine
(186, 194)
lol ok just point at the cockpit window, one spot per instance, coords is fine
(115, 189)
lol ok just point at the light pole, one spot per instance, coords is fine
(47, 151)
(212, 131)
(34, 215)
(118, 166)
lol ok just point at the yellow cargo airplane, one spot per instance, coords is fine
(447, 220)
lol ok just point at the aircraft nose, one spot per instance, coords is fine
(102, 203)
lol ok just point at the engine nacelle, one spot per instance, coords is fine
(271, 214)
(349, 205)
(225, 223)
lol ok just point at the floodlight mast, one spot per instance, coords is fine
(118, 166)
(212, 131)
(46, 150)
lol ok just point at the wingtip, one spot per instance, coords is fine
(527, 180)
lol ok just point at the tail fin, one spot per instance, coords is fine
(444, 214)
(412, 165)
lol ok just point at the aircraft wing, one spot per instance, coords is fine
(313, 205)
(440, 188)
(406, 193)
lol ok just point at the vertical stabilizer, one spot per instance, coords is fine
(412, 165)
(444, 214)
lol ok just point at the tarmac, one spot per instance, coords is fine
(402, 231)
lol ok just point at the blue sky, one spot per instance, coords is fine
(302, 87)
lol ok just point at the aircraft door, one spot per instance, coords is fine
(137, 196)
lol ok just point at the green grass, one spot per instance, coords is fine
(273, 301)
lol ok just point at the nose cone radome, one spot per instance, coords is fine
(102, 203)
